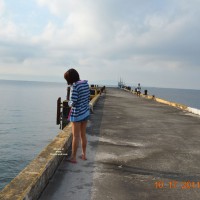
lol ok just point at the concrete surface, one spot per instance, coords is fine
(138, 149)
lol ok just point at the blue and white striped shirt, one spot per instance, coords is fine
(79, 101)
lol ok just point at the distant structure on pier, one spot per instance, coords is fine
(121, 84)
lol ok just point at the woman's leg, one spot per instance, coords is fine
(75, 139)
(83, 139)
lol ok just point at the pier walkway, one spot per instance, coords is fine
(138, 149)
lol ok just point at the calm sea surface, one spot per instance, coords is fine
(190, 98)
(28, 119)
(27, 123)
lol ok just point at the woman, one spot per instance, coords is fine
(79, 114)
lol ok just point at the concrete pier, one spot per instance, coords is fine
(138, 149)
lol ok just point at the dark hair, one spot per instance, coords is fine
(71, 76)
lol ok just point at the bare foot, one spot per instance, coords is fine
(83, 157)
(72, 161)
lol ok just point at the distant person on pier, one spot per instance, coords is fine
(138, 89)
(79, 113)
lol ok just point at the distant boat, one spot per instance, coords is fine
(121, 84)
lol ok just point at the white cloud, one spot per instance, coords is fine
(5, 28)
(8, 30)
(106, 39)
(2, 6)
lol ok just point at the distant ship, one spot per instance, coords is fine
(121, 84)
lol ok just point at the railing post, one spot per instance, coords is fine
(66, 109)
(58, 117)
(65, 114)
(63, 110)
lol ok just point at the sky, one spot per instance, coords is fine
(155, 43)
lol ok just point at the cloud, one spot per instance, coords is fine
(2, 6)
(105, 39)
(8, 29)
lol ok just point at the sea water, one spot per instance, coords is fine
(27, 123)
(188, 97)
